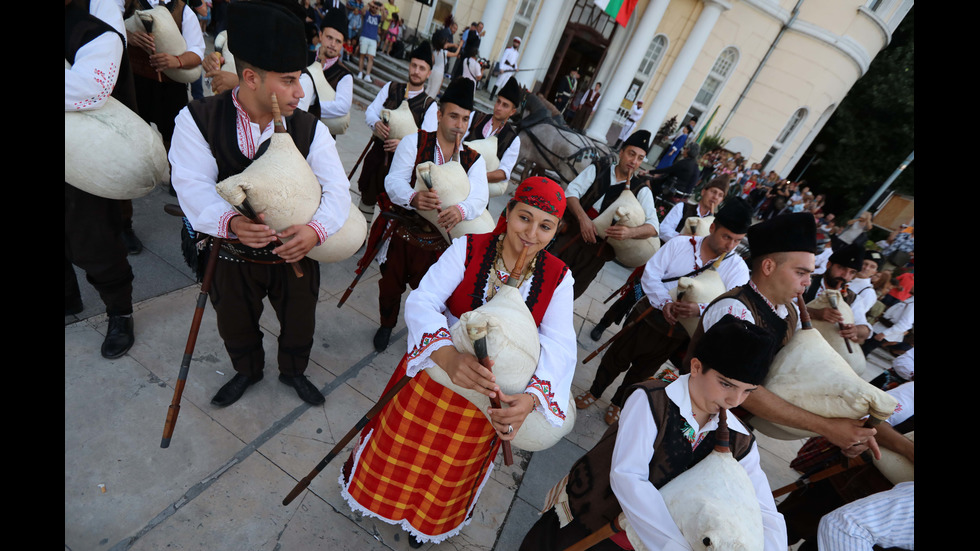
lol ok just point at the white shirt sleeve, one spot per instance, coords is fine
(653, 274)
(509, 160)
(581, 183)
(904, 365)
(373, 112)
(400, 174)
(476, 202)
(341, 103)
(190, 29)
(90, 80)
(335, 199)
(669, 225)
(194, 172)
(773, 523)
(426, 315)
(645, 197)
(309, 91)
(630, 478)
(430, 122)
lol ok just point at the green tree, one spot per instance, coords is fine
(870, 133)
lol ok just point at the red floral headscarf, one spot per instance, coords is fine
(539, 192)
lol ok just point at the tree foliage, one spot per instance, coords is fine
(870, 133)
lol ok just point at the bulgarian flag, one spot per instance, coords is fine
(620, 10)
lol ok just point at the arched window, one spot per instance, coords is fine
(652, 58)
(713, 83)
(785, 137)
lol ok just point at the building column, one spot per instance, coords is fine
(493, 14)
(615, 90)
(681, 68)
(536, 51)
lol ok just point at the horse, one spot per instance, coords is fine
(548, 144)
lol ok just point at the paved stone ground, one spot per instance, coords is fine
(221, 482)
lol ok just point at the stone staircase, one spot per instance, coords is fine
(387, 68)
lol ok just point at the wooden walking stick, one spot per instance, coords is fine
(305, 482)
(185, 363)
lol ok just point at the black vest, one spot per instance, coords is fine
(689, 211)
(602, 186)
(332, 75)
(504, 138)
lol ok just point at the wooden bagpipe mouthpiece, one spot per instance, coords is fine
(804, 315)
(722, 435)
(277, 115)
(516, 274)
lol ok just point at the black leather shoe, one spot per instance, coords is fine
(414, 542)
(597, 331)
(133, 243)
(304, 388)
(381, 338)
(73, 306)
(233, 390)
(119, 338)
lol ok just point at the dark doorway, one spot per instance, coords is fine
(583, 45)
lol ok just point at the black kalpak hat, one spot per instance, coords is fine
(267, 36)
(874, 256)
(512, 92)
(796, 232)
(424, 52)
(736, 215)
(641, 139)
(459, 92)
(336, 19)
(850, 256)
(737, 349)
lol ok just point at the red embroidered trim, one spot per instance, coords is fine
(427, 340)
(544, 387)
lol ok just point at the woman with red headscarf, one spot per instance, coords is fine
(421, 462)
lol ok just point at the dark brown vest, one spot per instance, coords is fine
(781, 330)
(504, 138)
(590, 495)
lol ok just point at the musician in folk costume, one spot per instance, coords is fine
(333, 34)
(589, 194)
(161, 101)
(842, 266)
(805, 508)
(375, 168)
(93, 224)
(507, 67)
(635, 114)
(220, 136)
(566, 89)
(781, 265)
(656, 337)
(668, 428)
(670, 227)
(421, 465)
(484, 125)
(415, 245)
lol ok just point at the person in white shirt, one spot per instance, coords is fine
(635, 114)
(591, 193)
(507, 67)
(487, 125)
(333, 33)
(220, 136)
(666, 429)
(416, 245)
(424, 109)
(656, 337)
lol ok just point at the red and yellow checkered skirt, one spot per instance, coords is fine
(423, 460)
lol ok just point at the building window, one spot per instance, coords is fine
(785, 137)
(655, 53)
(713, 83)
(522, 20)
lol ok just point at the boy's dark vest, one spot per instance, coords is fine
(590, 496)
